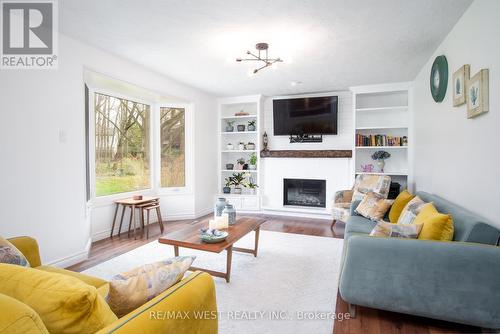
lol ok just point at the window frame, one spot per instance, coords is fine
(188, 149)
(111, 197)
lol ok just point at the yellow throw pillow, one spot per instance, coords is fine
(64, 303)
(129, 290)
(10, 254)
(436, 226)
(373, 207)
(398, 206)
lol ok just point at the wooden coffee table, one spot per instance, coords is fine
(189, 237)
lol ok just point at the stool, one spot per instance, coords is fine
(155, 205)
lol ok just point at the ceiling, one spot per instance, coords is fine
(328, 44)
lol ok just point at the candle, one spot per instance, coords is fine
(211, 224)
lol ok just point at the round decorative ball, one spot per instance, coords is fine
(439, 78)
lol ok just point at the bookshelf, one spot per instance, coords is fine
(228, 107)
(382, 120)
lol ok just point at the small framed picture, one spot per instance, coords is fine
(478, 94)
(460, 78)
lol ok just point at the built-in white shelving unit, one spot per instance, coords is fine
(228, 107)
(384, 110)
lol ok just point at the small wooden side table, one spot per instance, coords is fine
(132, 204)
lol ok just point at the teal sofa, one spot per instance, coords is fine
(455, 281)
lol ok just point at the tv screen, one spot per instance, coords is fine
(309, 115)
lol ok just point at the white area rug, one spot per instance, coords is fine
(292, 274)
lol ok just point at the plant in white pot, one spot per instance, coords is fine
(250, 146)
(241, 146)
(237, 181)
(252, 186)
(240, 164)
(252, 162)
(251, 125)
(228, 184)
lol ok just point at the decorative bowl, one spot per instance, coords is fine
(212, 236)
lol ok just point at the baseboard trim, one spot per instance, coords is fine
(72, 259)
(284, 212)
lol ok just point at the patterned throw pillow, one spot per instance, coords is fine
(129, 290)
(384, 229)
(411, 210)
(11, 255)
(373, 207)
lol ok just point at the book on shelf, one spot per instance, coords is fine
(380, 140)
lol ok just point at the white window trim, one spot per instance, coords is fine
(188, 150)
(104, 200)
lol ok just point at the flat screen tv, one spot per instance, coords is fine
(308, 115)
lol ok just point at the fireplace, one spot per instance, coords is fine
(304, 192)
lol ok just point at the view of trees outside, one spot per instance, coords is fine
(122, 132)
(172, 138)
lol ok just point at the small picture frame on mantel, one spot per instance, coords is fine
(478, 94)
(460, 79)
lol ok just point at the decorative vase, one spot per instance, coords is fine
(219, 206)
(241, 147)
(252, 167)
(237, 190)
(231, 213)
(251, 127)
(229, 146)
(250, 146)
(226, 190)
(241, 127)
(381, 165)
(229, 128)
(229, 166)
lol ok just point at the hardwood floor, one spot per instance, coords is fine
(367, 320)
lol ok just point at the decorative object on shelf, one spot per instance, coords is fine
(261, 48)
(241, 127)
(229, 126)
(251, 125)
(231, 214)
(240, 164)
(380, 157)
(219, 206)
(229, 146)
(377, 140)
(227, 188)
(212, 236)
(229, 166)
(253, 187)
(367, 168)
(478, 94)
(241, 146)
(460, 79)
(252, 162)
(241, 113)
(250, 146)
(265, 141)
(404, 141)
(439, 78)
(238, 179)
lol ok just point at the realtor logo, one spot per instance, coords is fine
(29, 34)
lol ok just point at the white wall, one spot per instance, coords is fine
(455, 157)
(337, 172)
(42, 145)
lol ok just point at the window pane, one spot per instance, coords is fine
(172, 137)
(121, 145)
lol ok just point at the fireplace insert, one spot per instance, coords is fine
(304, 192)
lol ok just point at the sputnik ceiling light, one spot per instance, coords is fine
(262, 48)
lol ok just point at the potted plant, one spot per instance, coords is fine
(227, 188)
(250, 146)
(229, 126)
(229, 146)
(241, 146)
(251, 125)
(241, 163)
(380, 157)
(241, 127)
(252, 162)
(237, 181)
(252, 186)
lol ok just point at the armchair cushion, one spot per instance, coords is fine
(343, 196)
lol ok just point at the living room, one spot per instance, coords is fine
(344, 148)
